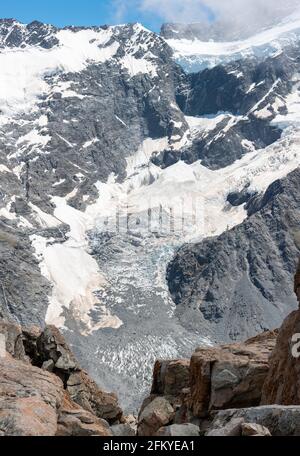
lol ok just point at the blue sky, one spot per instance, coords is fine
(78, 12)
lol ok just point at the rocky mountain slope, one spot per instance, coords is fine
(112, 159)
(244, 275)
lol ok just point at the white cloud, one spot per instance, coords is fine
(236, 13)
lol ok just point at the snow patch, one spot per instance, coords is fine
(23, 70)
(136, 66)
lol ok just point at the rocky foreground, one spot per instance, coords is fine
(249, 389)
(43, 390)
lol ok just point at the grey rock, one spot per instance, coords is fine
(13, 34)
(279, 420)
(123, 430)
(231, 429)
(12, 334)
(179, 430)
(53, 347)
(48, 365)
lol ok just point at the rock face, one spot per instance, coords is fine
(35, 33)
(30, 399)
(170, 377)
(282, 385)
(86, 393)
(88, 133)
(229, 376)
(76, 421)
(43, 391)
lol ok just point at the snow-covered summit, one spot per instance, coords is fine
(30, 53)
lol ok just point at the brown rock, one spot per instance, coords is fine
(230, 376)
(29, 399)
(75, 421)
(89, 396)
(155, 415)
(282, 384)
(171, 377)
(255, 430)
(31, 395)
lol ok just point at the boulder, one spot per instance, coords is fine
(280, 420)
(231, 429)
(85, 392)
(254, 430)
(154, 416)
(171, 377)
(230, 375)
(179, 430)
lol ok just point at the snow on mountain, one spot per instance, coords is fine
(195, 55)
(25, 65)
